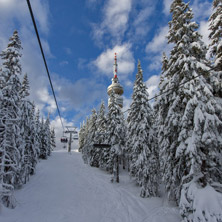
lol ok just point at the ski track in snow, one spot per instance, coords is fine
(64, 189)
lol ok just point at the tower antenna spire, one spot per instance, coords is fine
(115, 66)
(115, 86)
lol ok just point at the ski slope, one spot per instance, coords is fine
(64, 189)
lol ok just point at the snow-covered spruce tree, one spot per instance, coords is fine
(34, 143)
(216, 45)
(92, 157)
(53, 137)
(141, 141)
(7, 166)
(190, 137)
(29, 155)
(11, 143)
(37, 132)
(43, 141)
(101, 136)
(85, 154)
(164, 68)
(161, 109)
(81, 136)
(24, 92)
(48, 136)
(115, 136)
(27, 126)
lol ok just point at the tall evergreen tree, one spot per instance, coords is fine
(11, 144)
(141, 139)
(85, 153)
(24, 92)
(161, 108)
(115, 134)
(37, 132)
(29, 155)
(216, 44)
(93, 161)
(53, 137)
(47, 135)
(190, 137)
(43, 141)
(34, 145)
(101, 153)
(81, 136)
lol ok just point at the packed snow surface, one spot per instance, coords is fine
(64, 189)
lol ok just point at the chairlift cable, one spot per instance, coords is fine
(43, 56)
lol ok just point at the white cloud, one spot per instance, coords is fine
(46, 48)
(155, 48)
(41, 11)
(166, 6)
(78, 95)
(159, 41)
(125, 61)
(141, 22)
(156, 61)
(152, 85)
(126, 106)
(17, 9)
(202, 9)
(115, 19)
(128, 83)
(46, 100)
(204, 31)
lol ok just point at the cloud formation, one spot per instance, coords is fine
(155, 47)
(202, 9)
(166, 6)
(104, 61)
(159, 41)
(152, 85)
(78, 95)
(115, 20)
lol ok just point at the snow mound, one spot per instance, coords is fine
(200, 204)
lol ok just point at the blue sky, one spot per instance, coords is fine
(80, 38)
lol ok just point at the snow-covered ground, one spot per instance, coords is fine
(64, 189)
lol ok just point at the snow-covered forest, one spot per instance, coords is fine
(176, 142)
(168, 147)
(24, 137)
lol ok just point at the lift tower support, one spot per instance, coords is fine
(71, 130)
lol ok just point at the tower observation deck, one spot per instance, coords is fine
(115, 86)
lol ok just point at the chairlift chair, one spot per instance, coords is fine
(64, 139)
